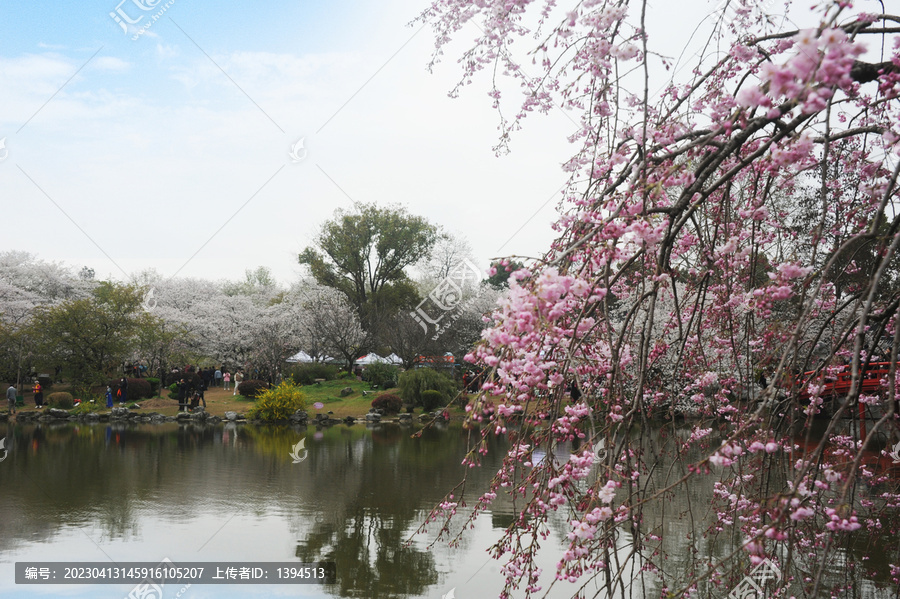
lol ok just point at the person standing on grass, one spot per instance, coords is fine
(123, 391)
(182, 388)
(11, 398)
(238, 377)
(109, 399)
(38, 396)
(226, 378)
(218, 377)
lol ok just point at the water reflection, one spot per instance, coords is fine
(230, 492)
(233, 492)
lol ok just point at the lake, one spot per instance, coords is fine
(116, 492)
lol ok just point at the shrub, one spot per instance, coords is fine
(86, 407)
(61, 400)
(137, 388)
(154, 386)
(277, 403)
(413, 383)
(388, 403)
(253, 388)
(381, 375)
(432, 400)
(306, 374)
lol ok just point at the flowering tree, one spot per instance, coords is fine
(717, 239)
(330, 324)
(26, 283)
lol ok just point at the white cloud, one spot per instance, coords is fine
(152, 158)
(110, 63)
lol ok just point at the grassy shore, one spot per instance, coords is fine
(219, 401)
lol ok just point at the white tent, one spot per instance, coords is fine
(302, 357)
(369, 359)
(394, 359)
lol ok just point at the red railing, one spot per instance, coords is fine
(839, 383)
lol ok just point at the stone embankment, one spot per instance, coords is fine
(200, 415)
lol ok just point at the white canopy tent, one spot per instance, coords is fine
(369, 359)
(304, 358)
(394, 359)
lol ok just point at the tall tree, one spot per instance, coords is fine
(447, 254)
(332, 326)
(364, 254)
(92, 336)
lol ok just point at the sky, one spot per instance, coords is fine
(220, 136)
(171, 148)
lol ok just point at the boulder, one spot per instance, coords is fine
(346, 391)
(300, 417)
(57, 413)
(373, 417)
(232, 416)
(120, 412)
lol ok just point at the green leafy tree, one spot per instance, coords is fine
(93, 335)
(160, 343)
(364, 254)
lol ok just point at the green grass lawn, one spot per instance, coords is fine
(329, 393)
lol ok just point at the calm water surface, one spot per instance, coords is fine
(227, 493)
(232, 493)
